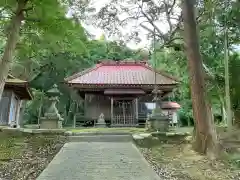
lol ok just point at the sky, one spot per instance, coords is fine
(145, 43)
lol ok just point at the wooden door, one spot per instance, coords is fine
(123, 112)
(4, 107)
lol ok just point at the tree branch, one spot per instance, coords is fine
(152, 23)
(173, 4)
(167, 13)
(28, 9)
(148, 29)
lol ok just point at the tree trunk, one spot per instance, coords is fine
(227, 86)
(188, 121)
(223, 111)
(205, 136)
(12, 38)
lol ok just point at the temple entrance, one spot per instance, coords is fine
(123, 112)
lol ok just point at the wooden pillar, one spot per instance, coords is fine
(74, 121)
(19, 103)
(111, 110)
(136, 109)
(85, 105)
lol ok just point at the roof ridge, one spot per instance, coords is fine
(123, 62)
(76, 75)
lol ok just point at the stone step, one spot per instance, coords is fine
(68, 133)
(101, 138)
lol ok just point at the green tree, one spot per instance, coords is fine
(205, 136)
(41, 20)
(54, 67)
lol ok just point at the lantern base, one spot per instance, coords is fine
(50, 121)
(158, 121)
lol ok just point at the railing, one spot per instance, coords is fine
(120, 120)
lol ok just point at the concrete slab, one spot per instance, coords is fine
(99, 161)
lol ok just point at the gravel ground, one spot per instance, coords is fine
(164, 171)
(36, 154)
(179, 168)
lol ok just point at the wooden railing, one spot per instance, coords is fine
(120, 120)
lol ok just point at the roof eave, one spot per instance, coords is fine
(79, 85)
(25, 86)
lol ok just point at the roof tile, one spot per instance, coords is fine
(130, 73)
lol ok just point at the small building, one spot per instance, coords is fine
(15, 91)
(120, 90)
(170, 109)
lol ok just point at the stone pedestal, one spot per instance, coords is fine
(51, 122)
(159, 121)
(101, 121)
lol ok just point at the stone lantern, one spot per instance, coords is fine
(158, 121)
(52, 119)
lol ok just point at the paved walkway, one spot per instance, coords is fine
(98, 161)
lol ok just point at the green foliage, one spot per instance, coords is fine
(47, 27)
(32, 109)
(53, 68)
(52, 46)
(212, 22)
(235, 80)
(174, 62)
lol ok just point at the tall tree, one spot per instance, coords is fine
(12, 38)
(226, 67)
(205, 136)
(234, 86)
(38, 22)
(227, 85)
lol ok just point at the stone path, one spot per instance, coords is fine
(98, 161)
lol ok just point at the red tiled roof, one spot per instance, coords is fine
(123, 73)
(170, 105)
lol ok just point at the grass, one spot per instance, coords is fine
(10, 147)
(26, 155)
(186, 162)
(109, 130)
(180, 157)
(182, 129)
(125, 130)
(12, 144)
